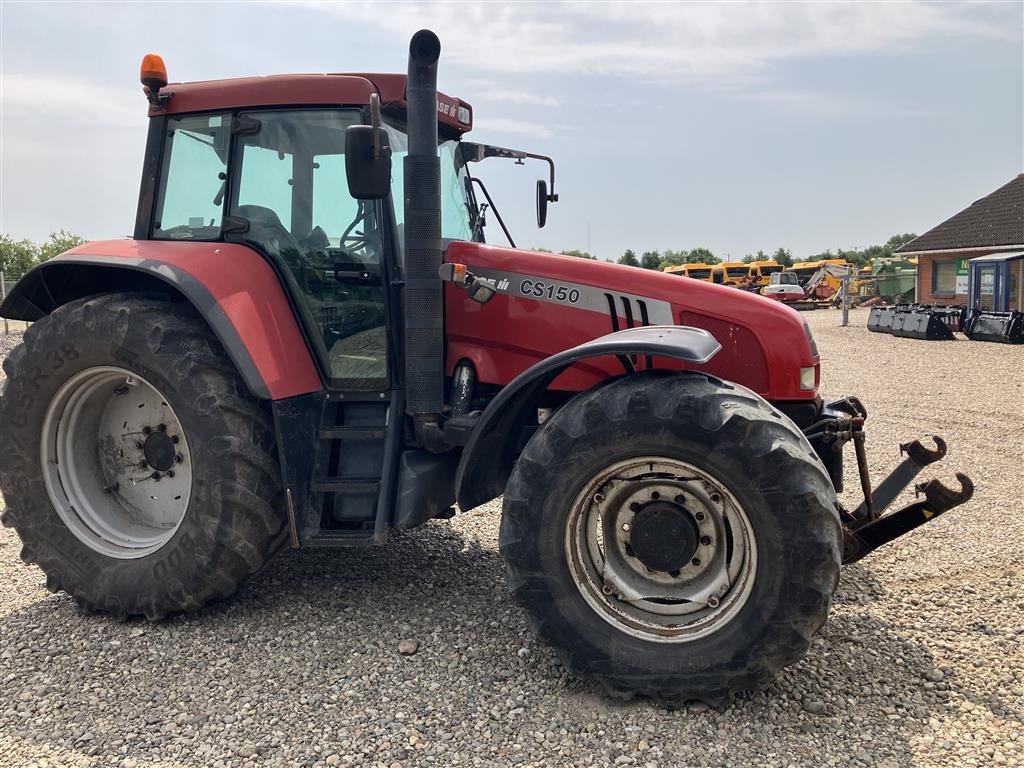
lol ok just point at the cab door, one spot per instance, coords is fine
(290, 200)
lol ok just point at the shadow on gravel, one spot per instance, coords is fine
(323, 626)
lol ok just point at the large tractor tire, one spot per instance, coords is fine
(136, 467)
(672, 536)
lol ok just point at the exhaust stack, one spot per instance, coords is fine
(424, 321)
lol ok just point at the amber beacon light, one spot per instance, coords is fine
(153, 75)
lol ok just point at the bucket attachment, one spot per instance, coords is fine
(1002, 327)
(899, 318)
(926, 325)
(915, 322)
(880, 319)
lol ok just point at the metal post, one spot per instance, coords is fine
(3, 295)
(846, 297)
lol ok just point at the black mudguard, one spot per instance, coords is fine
(490, 453)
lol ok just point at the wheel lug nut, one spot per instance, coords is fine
(716, 497)
(705, 540)
(174, 439)
(634, 507)
(170, 473)
(156, 476)
(179, 458)
(143, 464)
(696, 561)
(162, 427)
(679, 499)
(138, 444)
(147, 430)
(625, 527)
(699, 515)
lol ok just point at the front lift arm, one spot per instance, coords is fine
(865, 529)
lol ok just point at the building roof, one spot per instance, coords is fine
(994, 220)
(994, 257)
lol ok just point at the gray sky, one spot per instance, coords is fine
(731, 126)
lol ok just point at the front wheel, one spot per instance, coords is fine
(672, 536)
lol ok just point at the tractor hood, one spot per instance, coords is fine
(547, 303)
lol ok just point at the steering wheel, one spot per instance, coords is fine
(352, 240)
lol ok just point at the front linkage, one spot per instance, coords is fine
(865, 529)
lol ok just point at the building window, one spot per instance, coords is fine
(944, 276)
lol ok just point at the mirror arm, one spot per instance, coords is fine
(474, 153)
(375, 124)
(552, 196)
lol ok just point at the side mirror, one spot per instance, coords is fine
(542, 203)
(367, 167)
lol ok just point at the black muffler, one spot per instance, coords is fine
(424, 307)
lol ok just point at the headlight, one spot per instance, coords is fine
(807, 378)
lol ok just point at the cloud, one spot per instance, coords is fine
(70, 100)
(828, 103)
(677, 40)
(511, 125)
(518, 97)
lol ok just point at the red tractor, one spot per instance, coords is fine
(299, 347)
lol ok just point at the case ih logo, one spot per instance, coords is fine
(455, 111)
(503, 284)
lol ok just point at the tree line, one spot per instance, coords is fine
(659, 260)
(19, 256)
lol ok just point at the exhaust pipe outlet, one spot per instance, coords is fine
(424, 319)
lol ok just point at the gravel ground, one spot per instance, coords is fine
(921, 663)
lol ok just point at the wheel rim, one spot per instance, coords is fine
(115, 462)
(661, 549)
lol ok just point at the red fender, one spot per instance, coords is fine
(231, 286)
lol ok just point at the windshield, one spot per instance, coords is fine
(456, 206)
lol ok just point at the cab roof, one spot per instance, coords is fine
(305, 90)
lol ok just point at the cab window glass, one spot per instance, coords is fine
(291, 192)
(190, 198)
(267, 182)
(336, 213)
(455, 204)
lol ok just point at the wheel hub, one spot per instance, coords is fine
(159, 450)
(116, 462)
(664, 536)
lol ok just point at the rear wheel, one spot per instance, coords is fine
(142, 479)
(672, 536)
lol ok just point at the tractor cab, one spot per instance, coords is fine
(228, 165)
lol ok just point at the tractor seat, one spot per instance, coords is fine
(259, 214)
